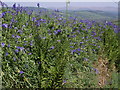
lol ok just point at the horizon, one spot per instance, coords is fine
(63, 4)
(102, 6)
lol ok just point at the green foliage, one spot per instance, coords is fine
(52, 53)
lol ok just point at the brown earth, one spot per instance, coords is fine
(104, 72)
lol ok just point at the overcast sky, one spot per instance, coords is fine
(60, 0)
(73, 3)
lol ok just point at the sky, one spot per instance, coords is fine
(60, 0)
(62, 3)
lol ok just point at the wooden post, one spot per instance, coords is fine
(67, 3)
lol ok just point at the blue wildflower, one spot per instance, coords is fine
(58, 40)
(43, 37)
(93, 50)
(74, 35)
(16, 50)
(21, 48)
(20, 31)
(57, 31)
(72, 46)
(64, 81)
(25, 44)
(98, 46)
(17, 36)
(12, 20)
(3, 14)
(13, 36)
(83, 37)
(78, 53)
(24, 25)
(114, 26)
(8, 45)
(21, 72)
(93, 33)
(59, 18)
(6, 54)
(78, 49)
(117, 30)
(30, 12)
(33, 18)
(71, 43)
(18, 47)
(56, 10)
(52, 47)
(73, 51)
(30, 54)
(5, 25)
(85, 59)
(81, 42)
(2, 44)
(15, 28)
(14, 58)
(31, 44)
(68, 35)
(39, 62)
(96, 70)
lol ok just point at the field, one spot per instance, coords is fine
(49, 50)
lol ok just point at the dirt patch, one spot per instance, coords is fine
(104, 72)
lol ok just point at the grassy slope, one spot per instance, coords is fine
(76, 72)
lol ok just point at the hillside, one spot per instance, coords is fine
(44, 49)
(98, 15)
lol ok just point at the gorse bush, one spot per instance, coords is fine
(46, 51)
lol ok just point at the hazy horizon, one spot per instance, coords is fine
(63, 4)
(104, 6)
